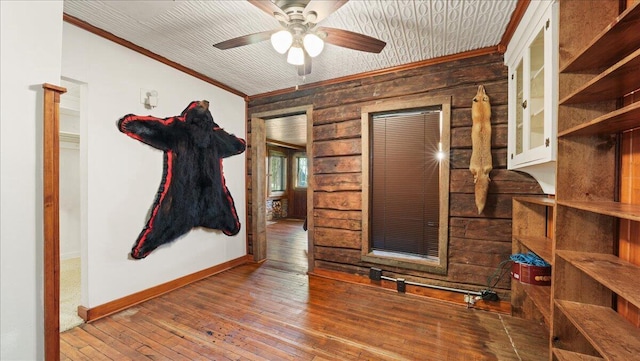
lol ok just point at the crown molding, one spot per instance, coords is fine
(127, 44)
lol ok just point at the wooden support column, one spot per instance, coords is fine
(51, 209)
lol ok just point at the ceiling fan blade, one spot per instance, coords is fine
(305, 69)
(245, 40)
(351, 40)
(270, 8)
(322, 8)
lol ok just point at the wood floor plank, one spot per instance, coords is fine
(112, 328)
(94, 354)
(274, 311)
(70, 352)
(90, 343)
(151, 339)
(109, 340)
(194, 337)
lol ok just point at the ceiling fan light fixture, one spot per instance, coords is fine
(313, 44)
(295, 56)
(281, 41)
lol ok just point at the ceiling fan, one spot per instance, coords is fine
(300, 37)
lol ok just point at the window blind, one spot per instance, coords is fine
(405, 205)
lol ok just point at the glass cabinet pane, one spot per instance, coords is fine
(536, 72)
(519, 109)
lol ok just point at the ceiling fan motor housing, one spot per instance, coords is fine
(298, 18)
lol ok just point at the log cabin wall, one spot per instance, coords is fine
(477, 243)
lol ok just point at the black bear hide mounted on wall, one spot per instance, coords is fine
(193, 192)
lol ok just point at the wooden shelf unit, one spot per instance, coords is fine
(541, 298)
(613, 81)
(613, 43)
(531, 232)
(616, 121)
(563, 355)
(617, 275)
(539, 245)
(617, 340)
(598, 68)
(614, 209)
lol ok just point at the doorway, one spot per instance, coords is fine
(262, 134)
(70, 209)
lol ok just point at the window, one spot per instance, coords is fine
(405, 158)
(301, 171)
(277, 173)
(404, 182)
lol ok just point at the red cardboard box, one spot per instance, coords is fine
(535, 275)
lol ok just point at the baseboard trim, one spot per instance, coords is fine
(98, 312)
(441, 295)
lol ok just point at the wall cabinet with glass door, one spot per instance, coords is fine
(533, 90)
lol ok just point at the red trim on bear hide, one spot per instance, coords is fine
(165, 187)
(230, 199)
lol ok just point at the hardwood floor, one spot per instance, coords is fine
(274, 311)
(287, 246)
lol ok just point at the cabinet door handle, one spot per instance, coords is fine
(524, 104)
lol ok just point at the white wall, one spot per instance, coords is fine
(123, 175)
(30, 53)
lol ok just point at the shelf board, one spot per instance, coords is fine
(564, 355)
(620, 38)
(610, 334)
(620, 79)
(614, 273)
(544, 201)
(541, 297)
(537, 244)
(615, 209)
(616, 121)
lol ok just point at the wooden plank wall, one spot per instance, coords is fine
(477, 243)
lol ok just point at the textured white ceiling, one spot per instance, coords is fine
(290, 129)
(184, 32)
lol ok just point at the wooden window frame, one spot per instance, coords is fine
(285, 157)
(295, 169)
(426, 264)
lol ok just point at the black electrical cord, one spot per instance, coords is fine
(499, 270)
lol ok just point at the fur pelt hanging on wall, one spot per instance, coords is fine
(193, 192)
(481, 163)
